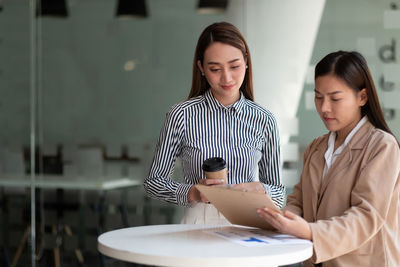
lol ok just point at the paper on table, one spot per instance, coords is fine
(255, 237)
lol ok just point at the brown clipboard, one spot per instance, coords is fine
(239, 206)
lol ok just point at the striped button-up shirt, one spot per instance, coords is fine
(244, 134)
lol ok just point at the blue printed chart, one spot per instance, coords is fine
(251, 237)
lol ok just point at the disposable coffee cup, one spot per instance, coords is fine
(215, 168)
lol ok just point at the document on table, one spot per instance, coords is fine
(255, 237)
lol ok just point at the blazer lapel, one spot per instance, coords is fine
(345, 158)
(343, 161)
(317, 164)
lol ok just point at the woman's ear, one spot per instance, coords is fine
(200, 67)
(363, 97)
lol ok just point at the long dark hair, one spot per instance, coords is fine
(226, 33)
(352, 68)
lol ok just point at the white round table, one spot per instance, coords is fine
(192, 245)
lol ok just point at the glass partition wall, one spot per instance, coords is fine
(18, 132)
(85, 86)
(100, 96)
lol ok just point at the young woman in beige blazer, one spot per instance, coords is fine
(347, 200)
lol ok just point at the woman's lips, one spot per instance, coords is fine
(227, 87)
(328, 119)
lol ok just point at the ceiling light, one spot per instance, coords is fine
(52, 8)
(212, 6)
(131, 9)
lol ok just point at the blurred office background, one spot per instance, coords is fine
(85, 86)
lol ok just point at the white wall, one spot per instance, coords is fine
(281, 36)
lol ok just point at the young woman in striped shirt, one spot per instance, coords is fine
(219, 119)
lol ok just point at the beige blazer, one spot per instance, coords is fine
(354, 212)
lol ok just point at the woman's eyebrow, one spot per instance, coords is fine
(330, 93)
(234, 60)
(217, 63)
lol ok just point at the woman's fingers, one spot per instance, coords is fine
(251, 186)
(286, 222)
(202, 181)
(290, 215)
(272, 217)
(211, 181)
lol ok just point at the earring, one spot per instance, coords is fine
(247, 67)
(202, 74)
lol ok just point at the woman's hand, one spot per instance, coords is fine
(286, 222)
(195, 196)
(251, 187)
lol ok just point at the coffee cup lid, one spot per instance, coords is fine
(214, 164)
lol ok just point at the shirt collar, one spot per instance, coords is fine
(332, 136)
(238, 105)
(215, 104)
(330, 154)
